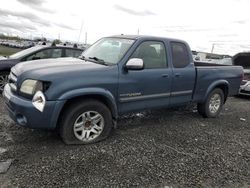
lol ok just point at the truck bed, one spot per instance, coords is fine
(209, 75)
(205, 64)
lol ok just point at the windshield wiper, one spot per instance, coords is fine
(100, 61)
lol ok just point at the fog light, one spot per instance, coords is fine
(39, 101)
(21, 120)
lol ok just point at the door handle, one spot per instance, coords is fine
(177, 75)
(165, 75)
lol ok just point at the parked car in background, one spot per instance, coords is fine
(34, 53)
(17, 44)
(243, 59)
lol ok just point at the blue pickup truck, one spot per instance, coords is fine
(83, 97)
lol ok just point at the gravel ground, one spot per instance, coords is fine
(174, 148)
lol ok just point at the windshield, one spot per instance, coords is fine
(24, 52)
(109, 50)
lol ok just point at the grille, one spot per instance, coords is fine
(12, 82)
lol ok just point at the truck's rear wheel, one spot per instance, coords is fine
(85, 122)
(213, 104)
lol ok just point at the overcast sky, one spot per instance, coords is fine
(202, 23)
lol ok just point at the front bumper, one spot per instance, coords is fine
(245, 88)
(23, 112)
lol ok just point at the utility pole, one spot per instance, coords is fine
(138, 31)
(212, 48)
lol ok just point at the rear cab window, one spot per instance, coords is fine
(180, 55)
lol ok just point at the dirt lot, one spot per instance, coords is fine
(151, 149)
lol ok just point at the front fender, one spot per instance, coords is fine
(92, 91)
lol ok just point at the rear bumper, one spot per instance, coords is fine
(245, 89)
(25, 114)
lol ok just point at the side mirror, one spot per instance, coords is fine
(135, 64)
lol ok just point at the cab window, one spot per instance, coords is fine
(152, 53)
(179, 55)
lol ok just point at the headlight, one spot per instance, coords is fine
(30, 87)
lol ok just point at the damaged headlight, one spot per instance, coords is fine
(30, 87)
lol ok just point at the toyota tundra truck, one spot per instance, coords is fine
(83, 97)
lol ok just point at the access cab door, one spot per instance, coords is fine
(184, 74)
(149, 87)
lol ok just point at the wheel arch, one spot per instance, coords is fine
(101, 95)
(221, 84)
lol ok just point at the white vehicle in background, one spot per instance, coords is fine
(245, 84)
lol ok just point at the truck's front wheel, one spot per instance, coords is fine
(213, 104)
(85, 122)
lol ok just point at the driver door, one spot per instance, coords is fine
(150, 87)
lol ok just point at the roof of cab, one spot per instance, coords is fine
(135, 37)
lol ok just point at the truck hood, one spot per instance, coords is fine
(67, 74)
(54, 66)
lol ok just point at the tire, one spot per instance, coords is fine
(212, 106)
(80, 123)
(3, 80)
